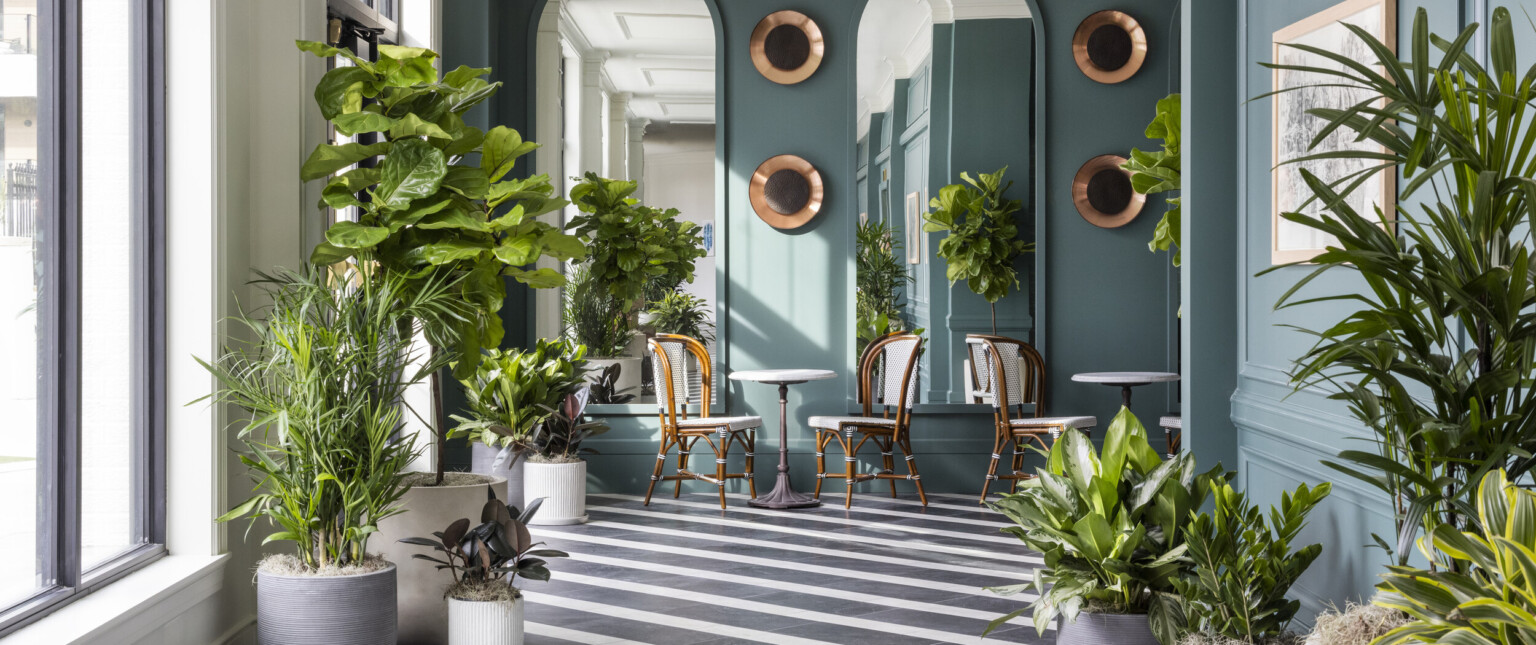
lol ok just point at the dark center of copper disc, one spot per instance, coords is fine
(1109, 191)
(787, 192)
(1109, 47)
(787, 47)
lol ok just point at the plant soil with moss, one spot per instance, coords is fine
(554, 459)
(1210, 639)
(484, 591)
(289, 565)
(1356, 625)
(429, 480)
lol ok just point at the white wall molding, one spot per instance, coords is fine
(989, 9)
(943, 11)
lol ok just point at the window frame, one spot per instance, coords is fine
(60, 310)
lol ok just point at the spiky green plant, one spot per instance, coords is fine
(683, 313)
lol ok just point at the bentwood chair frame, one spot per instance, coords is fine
(678, 430)
(990, 374)
(887, 432)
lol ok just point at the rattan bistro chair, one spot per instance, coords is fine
(1012, 374)
(894, 357)
(669, 357)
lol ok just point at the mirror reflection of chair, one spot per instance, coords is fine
(1173, 433)
(1012, 374)
(894, 357)
(674, 391)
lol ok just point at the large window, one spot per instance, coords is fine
(81, 298)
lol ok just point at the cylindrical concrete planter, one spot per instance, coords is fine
(485, 623)
(423, 613)
(629, 374)
(1105, 629)
(563, 487)
(483, 461)
(326, 610)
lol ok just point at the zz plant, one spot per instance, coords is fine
(1243, 565)
(1489, 594)
(1436, 358)
(1109, 527)
(512, 392)
(983, 242)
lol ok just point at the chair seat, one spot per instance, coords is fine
(1055, 422)
(730, 423)
(837, 423)
(1172, 422)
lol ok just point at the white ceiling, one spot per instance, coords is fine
(661, 52)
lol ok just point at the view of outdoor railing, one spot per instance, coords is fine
(18, 33)
(19, 218)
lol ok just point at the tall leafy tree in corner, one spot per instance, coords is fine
(1438, 357)
(984, 238)
(439, 202)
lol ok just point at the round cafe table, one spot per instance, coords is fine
(1125, 380)
(783, 494)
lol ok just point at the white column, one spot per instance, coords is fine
(548, 123)
(636, 170)
(592, 105)
(618, 135)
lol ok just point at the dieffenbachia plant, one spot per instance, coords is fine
(439, 197)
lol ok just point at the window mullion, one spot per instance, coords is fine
(65, 329)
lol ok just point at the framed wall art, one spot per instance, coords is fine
(914, 223)
(1293, 129)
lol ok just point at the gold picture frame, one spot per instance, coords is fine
(915, 227)
(1292, 130)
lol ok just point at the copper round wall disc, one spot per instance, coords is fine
(786, 191)
(1103, 194)
(1109, 46)
(787, 47)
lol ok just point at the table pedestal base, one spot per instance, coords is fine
(784, 495)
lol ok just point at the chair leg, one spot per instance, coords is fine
(720, 452)
(906, 451)
(890, 464)
(661, 458)
(751, 452)
(849, 461)
(1018, 463)
(684, 446)
(821, 461)
(997, 448)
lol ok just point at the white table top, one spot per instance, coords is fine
(783, 376)
(1125, 378)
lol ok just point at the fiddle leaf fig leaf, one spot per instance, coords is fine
(413, 169)
(502, 147)
(327, 159)
(517, 251)
(356, 123)
(351, 235)
(342, 89)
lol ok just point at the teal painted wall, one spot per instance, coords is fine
(788, 297)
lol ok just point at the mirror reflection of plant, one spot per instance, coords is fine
(486, 560)
(1243, 565)
(605, 386)
(558, 439)
(983, 241)
(1437, 359)
(1109, 527)
(512, 392)
(1489, 595)
(1159, 171)
(683, 313)
(631, 244)
(685, 244)
(592, 317)
(323, 380)
(879, 278)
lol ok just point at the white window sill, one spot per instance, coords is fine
(133, 607)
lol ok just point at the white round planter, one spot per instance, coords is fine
(485, 623)
(629, 374)
(326, 610)
(423, 614)
(563, 487)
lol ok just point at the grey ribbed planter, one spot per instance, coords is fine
(483, 461)
(1105, 629)
(326, 610)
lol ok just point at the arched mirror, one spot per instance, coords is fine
(625, 90)
(943, 88)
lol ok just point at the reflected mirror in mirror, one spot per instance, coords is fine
(975, 72)
(626, 92)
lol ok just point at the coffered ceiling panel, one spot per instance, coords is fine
(651, 49)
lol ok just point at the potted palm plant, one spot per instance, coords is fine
(485, 606)
(593, 319)
(322, 380)
(510, 394)
(555, 472)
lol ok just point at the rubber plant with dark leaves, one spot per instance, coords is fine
(1436, 358)
(485, 560)
(439, 199)
(983, 242)
(1109, 527)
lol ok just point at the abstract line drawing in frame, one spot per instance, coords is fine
(914, 227)
(1292, 129)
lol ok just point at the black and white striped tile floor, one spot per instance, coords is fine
(682, 571)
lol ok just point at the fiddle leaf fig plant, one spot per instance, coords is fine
(439, 198)
(630, 243)
(1158, 171)
(983, 242)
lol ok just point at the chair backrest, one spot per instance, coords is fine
(669, 361)
(1010, 371)
(895, 357)
(877, 375)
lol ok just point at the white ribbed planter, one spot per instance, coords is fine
(563, 487)
(629, 374)
(326, 610)
(485, 623)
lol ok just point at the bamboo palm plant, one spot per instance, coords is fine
(322, 380)
(1437, 360)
